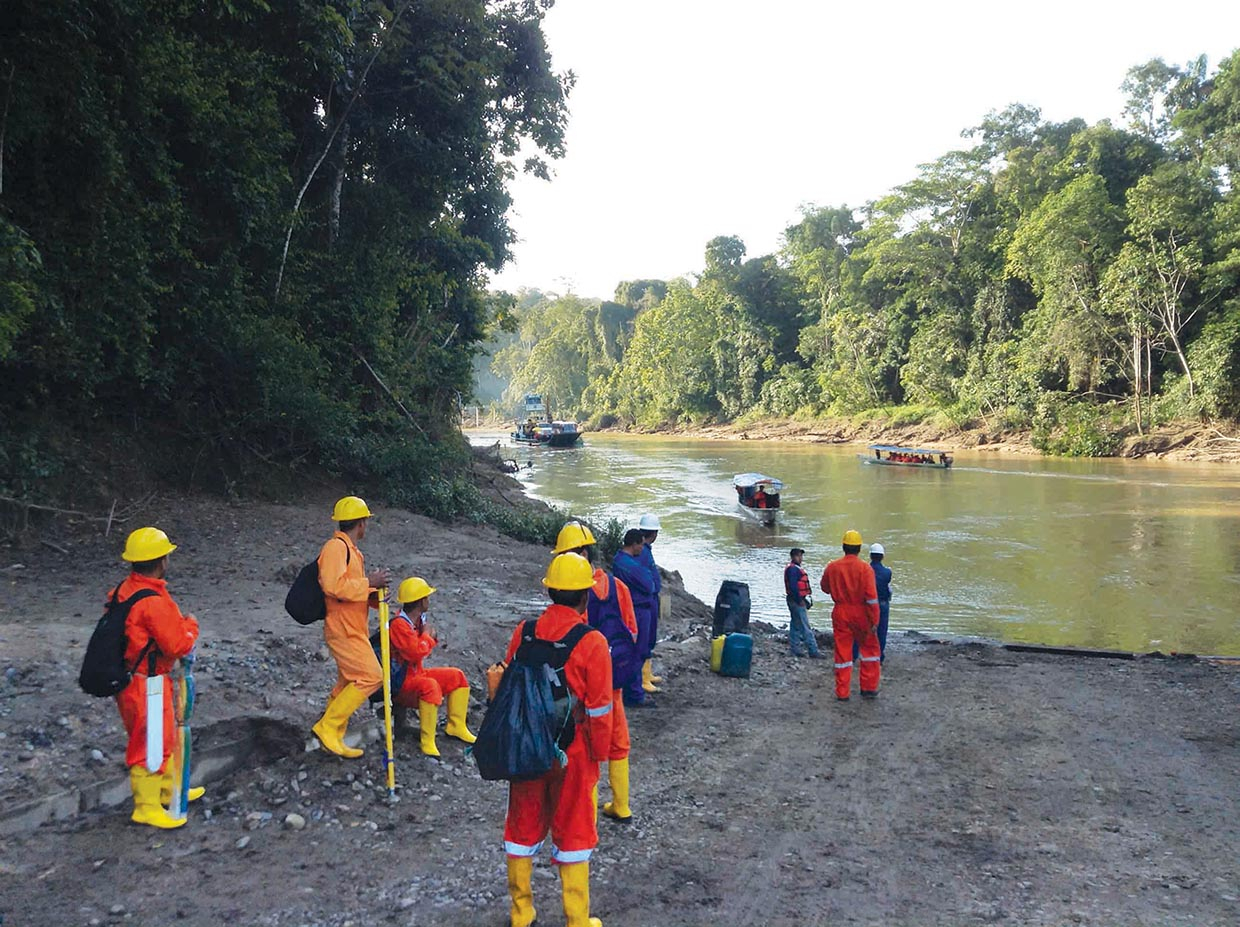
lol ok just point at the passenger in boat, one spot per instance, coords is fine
(759, 498)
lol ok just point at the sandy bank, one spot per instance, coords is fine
(981, 787)
(1183, 441)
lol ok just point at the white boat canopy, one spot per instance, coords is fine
(768, 483)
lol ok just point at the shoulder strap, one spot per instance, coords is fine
(348, 553)
(574, 636)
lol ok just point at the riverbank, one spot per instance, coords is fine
(981, 787)
(1184, 441)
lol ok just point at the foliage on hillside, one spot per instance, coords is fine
(1072, 279)
(235, 231)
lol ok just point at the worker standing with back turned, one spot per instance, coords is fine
(562, 800)
(850, 582)
(649, 524)
(154, 627)
(610, 611)
(349, 593)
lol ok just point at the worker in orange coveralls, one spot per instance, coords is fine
(349, 594)
(610, 610)
(850, 581)
(562, 800)
(155, 626)
(424, 688)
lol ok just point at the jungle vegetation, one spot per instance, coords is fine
(253, 234)
(1076, 280)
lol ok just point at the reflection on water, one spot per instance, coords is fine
(1130, 555)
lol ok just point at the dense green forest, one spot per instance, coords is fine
(242, 235)
(1076, 280)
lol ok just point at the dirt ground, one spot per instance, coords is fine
(982, 787)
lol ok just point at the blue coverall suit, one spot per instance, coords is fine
(634, 574)
(882, 579)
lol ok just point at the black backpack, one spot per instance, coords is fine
(305, 600)
(104, 670)
(529, 723)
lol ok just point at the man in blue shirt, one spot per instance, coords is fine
(882, 579)
(649, 525)
(797, 591)
(630, 570)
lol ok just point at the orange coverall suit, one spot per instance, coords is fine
(346, 628)
(562, 801)
(850, 582)
(619, 723)
(156, 620)
(412, 645)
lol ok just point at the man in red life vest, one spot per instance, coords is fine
(562, 801)
(850, 582)
(610, 610)
(424, 688)
(154, 626)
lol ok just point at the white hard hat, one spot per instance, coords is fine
(649, 522)
(877, 549)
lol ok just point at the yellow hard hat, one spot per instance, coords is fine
(572, 536)
(147, 544)
(852, 538)
(350, 508)
(569, 572)
(412, 589)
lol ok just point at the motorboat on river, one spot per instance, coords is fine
(547, 434)
(758, 496)
(894, 456)
(537, 430)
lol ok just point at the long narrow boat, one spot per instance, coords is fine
(758, 496)
(895, 456)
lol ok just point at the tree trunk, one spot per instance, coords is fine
(333, 220)
(1136, 378)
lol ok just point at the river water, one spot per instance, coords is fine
(1130, 555)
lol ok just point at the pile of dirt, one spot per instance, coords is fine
(981, 787)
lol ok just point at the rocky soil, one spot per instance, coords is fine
(982, 787)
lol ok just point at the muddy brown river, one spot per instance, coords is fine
(1133, 555)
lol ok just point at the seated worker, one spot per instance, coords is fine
(759, 498)
(424, 688)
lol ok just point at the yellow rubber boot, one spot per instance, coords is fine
(146, 806)
(648, 679)
(331, 727)
(618, 808)
(428, 715)
(165, 788)
(458, 709)
(575, 884)
(594, 801)
(520, 868)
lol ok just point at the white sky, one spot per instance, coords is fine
(697, 118)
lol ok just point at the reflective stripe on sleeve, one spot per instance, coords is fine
(871, 601)
(600, 711)
(521, 849)
(847, 665)
(568, 857)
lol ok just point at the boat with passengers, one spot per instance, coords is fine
(758, 496)
(895, 456)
